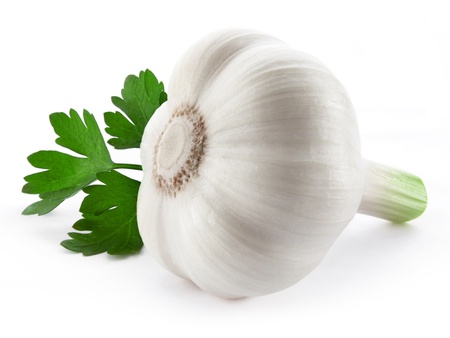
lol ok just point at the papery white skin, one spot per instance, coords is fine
(281, 174)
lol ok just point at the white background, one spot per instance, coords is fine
(378, 280)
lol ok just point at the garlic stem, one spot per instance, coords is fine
(391, 194)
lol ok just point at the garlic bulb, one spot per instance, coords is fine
(252, 169)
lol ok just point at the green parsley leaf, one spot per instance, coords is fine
(141, 96)
(66, 175)
(109, 214)
(109, 222)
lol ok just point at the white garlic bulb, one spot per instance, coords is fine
(252, 168)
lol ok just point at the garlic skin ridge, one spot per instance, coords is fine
(278, 174)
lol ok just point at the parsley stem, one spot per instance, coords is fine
(127, 166)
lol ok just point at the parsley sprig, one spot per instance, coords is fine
(109, 209)
(141, 96)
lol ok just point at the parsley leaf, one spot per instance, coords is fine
(66, 175)
(141, 96)
(109, 214)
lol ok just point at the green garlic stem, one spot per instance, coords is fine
(391, 194)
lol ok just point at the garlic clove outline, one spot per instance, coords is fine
(252, 168)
